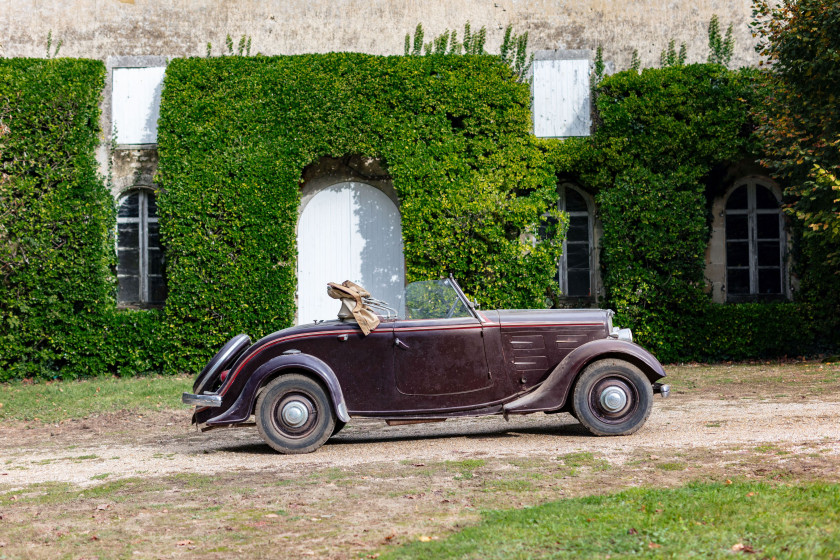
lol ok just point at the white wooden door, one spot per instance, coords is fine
(349, 231)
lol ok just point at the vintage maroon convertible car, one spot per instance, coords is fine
(440, 358)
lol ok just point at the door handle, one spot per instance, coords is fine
(343, 337)
(400, 344)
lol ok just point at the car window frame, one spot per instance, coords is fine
(463, 297)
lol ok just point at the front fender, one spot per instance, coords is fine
(552, 393)
(241, 409)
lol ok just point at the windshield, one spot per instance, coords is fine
(433, 299)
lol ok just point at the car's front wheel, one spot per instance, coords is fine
(612, 398)
(294, 414)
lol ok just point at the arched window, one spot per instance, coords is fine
(575, 267)
(754, 243)
(140, 260)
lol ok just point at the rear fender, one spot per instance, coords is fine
(552, 393)
(298, 363)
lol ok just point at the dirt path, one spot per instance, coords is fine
(123, 445)
(148, 486)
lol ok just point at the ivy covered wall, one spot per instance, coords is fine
(654, 165)
(55, 216)
(236, 135)
(58, 316)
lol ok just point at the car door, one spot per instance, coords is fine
(441, 358)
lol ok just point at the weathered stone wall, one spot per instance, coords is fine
(102, 28)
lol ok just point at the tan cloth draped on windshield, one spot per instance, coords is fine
(351, 295)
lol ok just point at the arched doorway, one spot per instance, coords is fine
(348, 231)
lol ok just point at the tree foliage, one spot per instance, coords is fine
(800, 123)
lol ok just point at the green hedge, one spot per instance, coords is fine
(55, 219)
(235, 135)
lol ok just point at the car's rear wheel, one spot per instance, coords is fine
(294, 414)
(612, 398)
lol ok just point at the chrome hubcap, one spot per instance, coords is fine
(613, 399)
(295, 414)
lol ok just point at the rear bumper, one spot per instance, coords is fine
(201, 400)
(662, 389)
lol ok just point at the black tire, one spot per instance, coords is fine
(300, 397)
(612, 398)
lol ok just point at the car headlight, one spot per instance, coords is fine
(622, 334)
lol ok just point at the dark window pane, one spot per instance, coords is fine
(151, 205)
(768, 253)
(154, 234)
(156, 261)
(157, 289)
(764, 198)
(130, 206)
(577, 255)
(578, 283)
(738, 199)
(737, 226)
(575, 202)
(128, 236)
(129, 289)
(737, 253)
(738, 281)
(578, 229)
(128, 262)
(770, 281)
(767, 226)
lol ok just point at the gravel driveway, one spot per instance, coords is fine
(126, 445)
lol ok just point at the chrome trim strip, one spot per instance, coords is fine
(201, 400)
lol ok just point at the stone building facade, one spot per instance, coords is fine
(146, 34)
(102, 28)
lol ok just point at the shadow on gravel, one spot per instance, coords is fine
(377, 434)
(249, 448)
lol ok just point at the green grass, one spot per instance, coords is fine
(674, 466)
(695, 521)
(60, 400)
(791, 379)
(584, 459)
(509, 485)
(466, 468)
